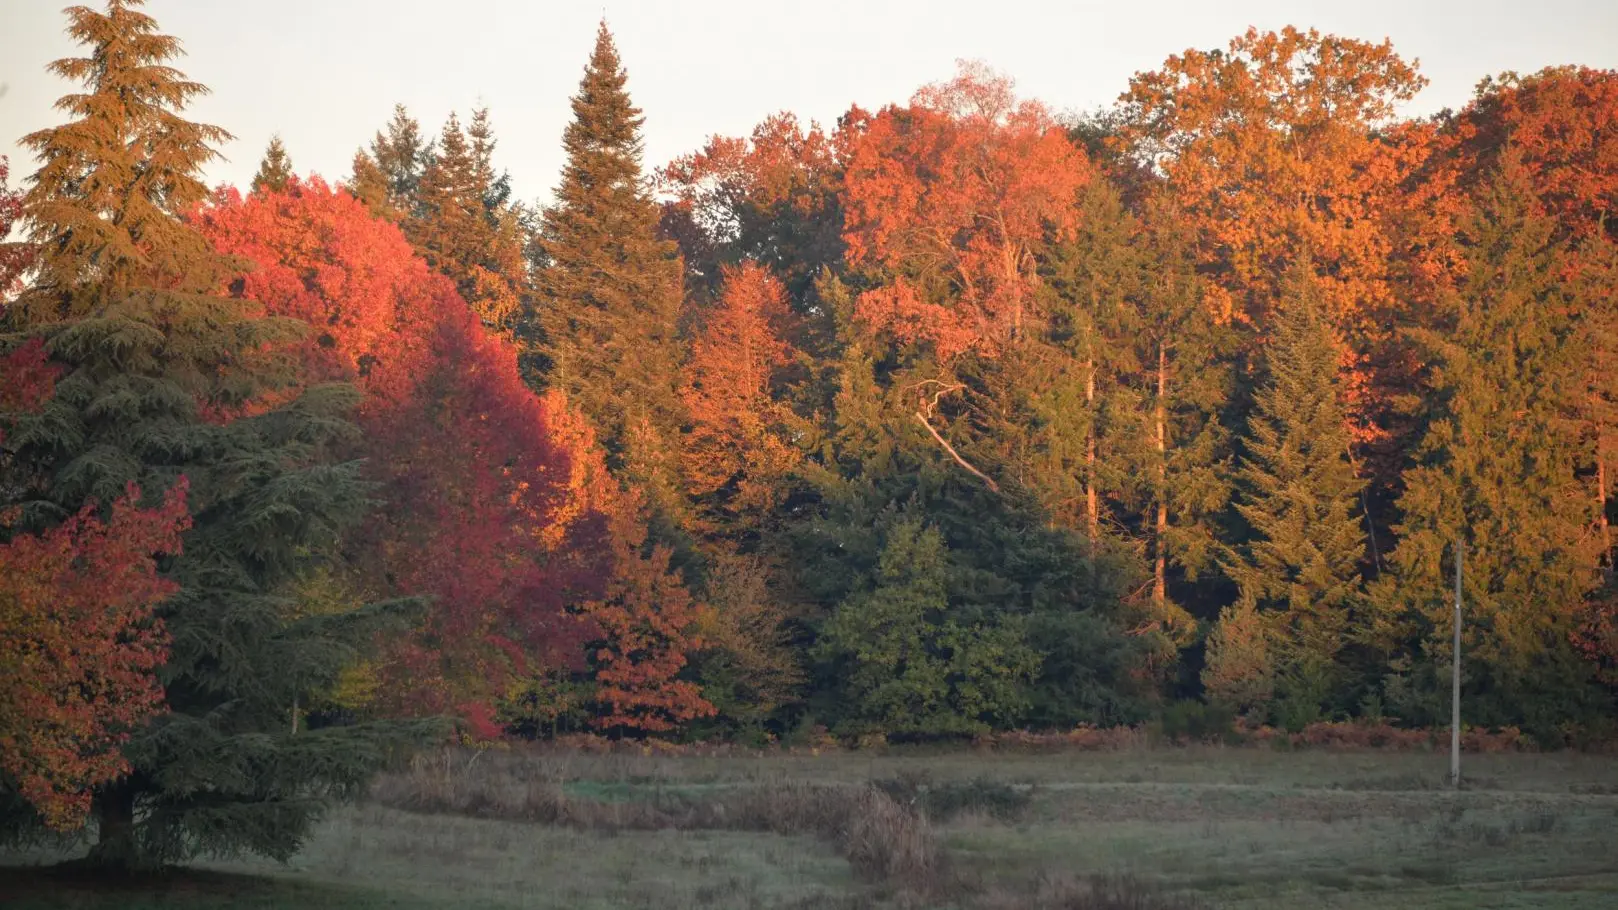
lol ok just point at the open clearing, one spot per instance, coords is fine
(1223, 828)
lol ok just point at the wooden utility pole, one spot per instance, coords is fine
(1455, 681)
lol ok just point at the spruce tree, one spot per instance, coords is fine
(609, 288)
(1298, 490)
(1501, 470)
(275, 169)
(162, 379)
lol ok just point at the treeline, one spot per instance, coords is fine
(957, 416)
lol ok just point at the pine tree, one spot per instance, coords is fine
(162, 380)
(609, 288)
(1300, 563)
(1500, 470)
(274, 170)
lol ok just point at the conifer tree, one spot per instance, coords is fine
(909, 667)
(1182, 381)
(609, 288)
(387, 177)
(161, 380)
(459, 233)
(1298, 493)
(1499, 470)
(274, 170)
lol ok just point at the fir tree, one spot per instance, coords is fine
(609, 288)
(1299, 490)
(1499, 470)
(155, 371)
(275, 169)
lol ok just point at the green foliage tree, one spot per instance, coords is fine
(274, 169)
(1501, 471)
(463, 228)
(907, 666)
(387, 177)
(1299, 561)
(161, 378)
(609, 289)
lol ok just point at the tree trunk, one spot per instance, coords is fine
(1160, 593)
(1601, 509)
(114, 811)
(1092, 509)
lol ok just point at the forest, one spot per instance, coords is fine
(952, 418)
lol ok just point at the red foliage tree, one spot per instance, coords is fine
(774, 197)
(470, 477)
(79, 646)
(14, 257)
(951, 195)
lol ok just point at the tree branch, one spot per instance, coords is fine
(987, 481)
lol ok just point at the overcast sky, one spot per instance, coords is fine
(326, 73)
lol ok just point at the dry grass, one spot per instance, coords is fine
(882, 840)
(1122, 829)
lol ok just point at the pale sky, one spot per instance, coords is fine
(326, 73)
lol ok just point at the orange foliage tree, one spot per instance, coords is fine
(79, 646)
(1274, 150)
(737, 453)
(774, 197)
(951, 196)
(646, 617)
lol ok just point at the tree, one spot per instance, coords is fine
(1273, 147)
(738, 453)
(647, 619)
(274, 169)
(905, 666)
(159, 379)
(479, 246)
(950, 196)
(387, 177)
(774, 198)
(474, 505)
(1499, 471)
(1182, 386)
(1299, 564)
(609, 290)
(80, 649)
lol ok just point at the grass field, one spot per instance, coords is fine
(1198, 827)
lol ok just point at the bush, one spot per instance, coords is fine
(1197, 722)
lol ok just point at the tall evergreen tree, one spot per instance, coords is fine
(1181, 382)
(610, 288)
(1500, 471)
(478, 246)
(1299, 564)
(387, 177)
(275, 169)
(156, 373)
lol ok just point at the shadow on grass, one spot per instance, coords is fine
(71, 886)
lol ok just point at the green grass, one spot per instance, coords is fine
(1229, 828)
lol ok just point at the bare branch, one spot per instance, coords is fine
(987, 481)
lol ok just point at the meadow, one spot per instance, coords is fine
(1146, 827)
